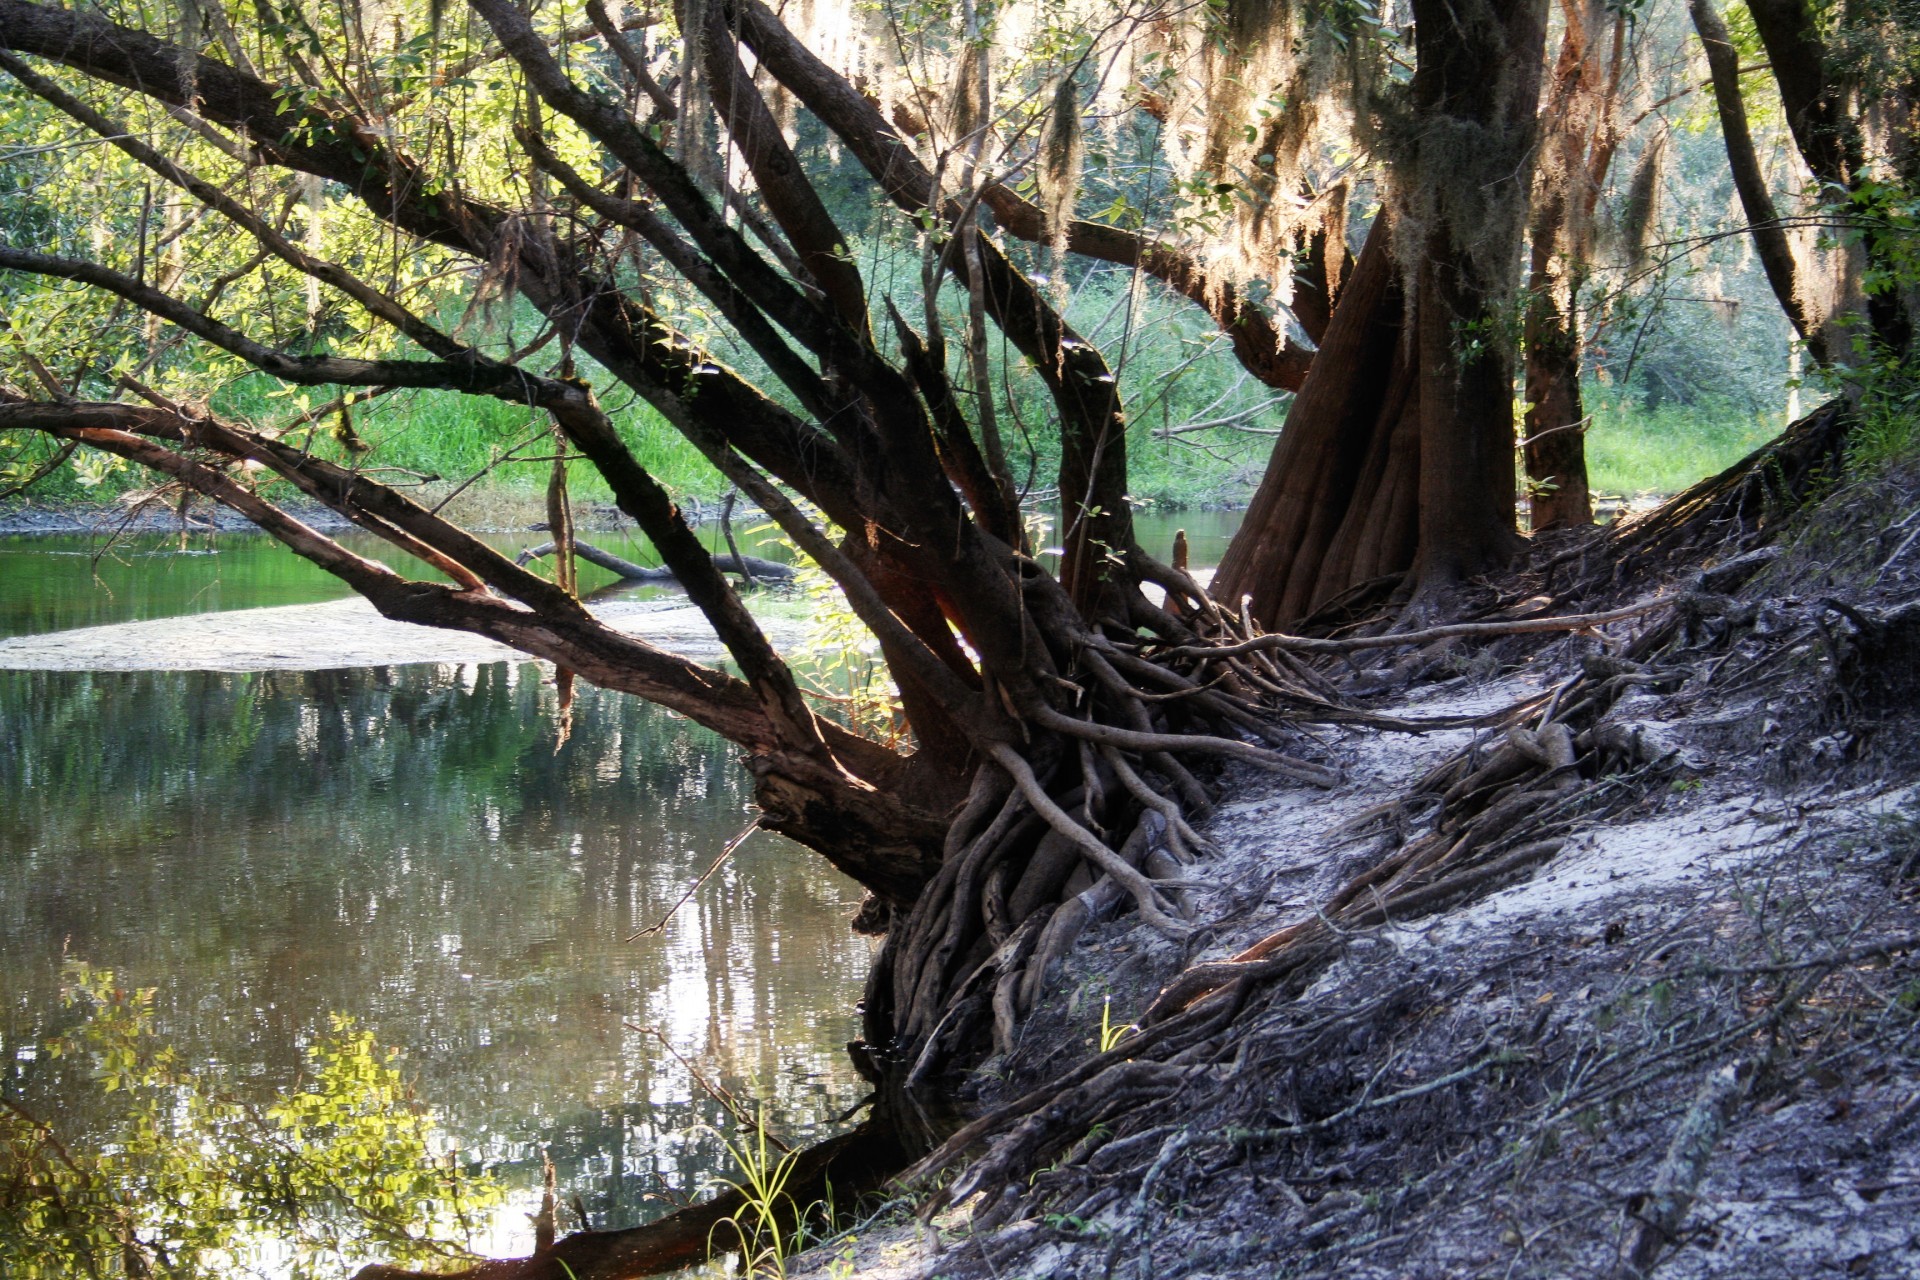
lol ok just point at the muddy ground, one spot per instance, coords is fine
(1686, 1044)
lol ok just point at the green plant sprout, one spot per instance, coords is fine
(765, 1244)
(1110, 1033)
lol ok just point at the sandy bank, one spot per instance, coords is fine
(341, 633)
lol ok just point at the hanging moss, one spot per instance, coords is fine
(1062, 153)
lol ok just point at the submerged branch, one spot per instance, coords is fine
(749, 567)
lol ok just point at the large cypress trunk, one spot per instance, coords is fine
(1338, 502)
(1397, 456)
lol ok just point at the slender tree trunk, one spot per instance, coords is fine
(1823, 115)
(1786, 274)
(1577, 149)
(1465, 391)
(1554, 445)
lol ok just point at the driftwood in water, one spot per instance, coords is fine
(848, 1166)
(748, 566)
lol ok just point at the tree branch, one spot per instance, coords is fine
(1266, 352)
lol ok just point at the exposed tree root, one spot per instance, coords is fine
(1082, 849)
(1451, 631)
(1498, 810)
(1095, 811)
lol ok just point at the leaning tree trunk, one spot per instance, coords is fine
(1824, 115)
(1058, 721)
(1790, 278)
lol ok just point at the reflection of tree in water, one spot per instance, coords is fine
(407, 844)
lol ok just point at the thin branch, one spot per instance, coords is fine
(726, 852)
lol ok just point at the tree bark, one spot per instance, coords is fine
(1786, 275)
(1580, 137)
(1278, 561)
(1823, 115)
(1362, 483)
(1475, 89)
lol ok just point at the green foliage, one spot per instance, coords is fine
(1886, 219)
(1111, 1032)
(769, 1227)
(1886, 427)
(1635, 450)
(184, 1179)
(1883, 217)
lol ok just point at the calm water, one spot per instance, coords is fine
(54, 582)
(409, 845)
(414, 847)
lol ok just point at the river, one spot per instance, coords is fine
(416, 847)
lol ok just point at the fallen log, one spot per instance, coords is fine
(746, 566)
(848, 1166)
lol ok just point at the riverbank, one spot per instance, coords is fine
(496, 509)
(1499, 1089)
(504, 510)
(1658, 1011)
(1703, 926)
(20, 516)
(491, 510)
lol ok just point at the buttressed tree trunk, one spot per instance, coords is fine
(1397, 455)
(1339, 502)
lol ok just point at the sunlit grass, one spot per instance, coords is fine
(1634, 451)
(498, 448)
(498, 454)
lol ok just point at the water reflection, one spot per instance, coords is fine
(408, 845)
(54, 582)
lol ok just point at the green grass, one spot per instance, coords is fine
(455, 438)
(1886, 432)
(1633, 451)
(1173, 368)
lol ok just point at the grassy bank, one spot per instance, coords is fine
(491, 460)
(1635, 452)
